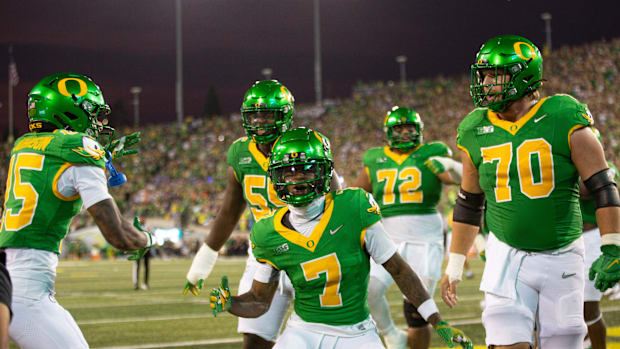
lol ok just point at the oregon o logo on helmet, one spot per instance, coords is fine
(294, 155)
(62, 87)
(517, 47)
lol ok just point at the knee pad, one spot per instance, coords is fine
(414, 319)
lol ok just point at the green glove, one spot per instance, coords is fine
(606, 268)
(195, 289)
(137, 254)
(220, 297)
(119, 147)
(483, 255)
(452, 335)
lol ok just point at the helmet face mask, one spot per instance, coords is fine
(397, 122)
(69, 101)
(507, 68)
(300, 166)
(267, 111)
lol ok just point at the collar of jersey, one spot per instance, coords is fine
(514, 127)
(261, 159)
(310, 242)
(398, 158)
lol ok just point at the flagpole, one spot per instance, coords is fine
(10, 138)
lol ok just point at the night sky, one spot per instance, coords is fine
(122, 43)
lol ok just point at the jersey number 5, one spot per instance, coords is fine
(259, 205)
(529, 186)
(25, 195)
(331, 267)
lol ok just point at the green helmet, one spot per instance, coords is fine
(403, 116)
(511, 55)
(276, 102)
(67, 101)
(301, 150)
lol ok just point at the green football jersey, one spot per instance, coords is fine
(36, 214)
(330, 268)
(401, 183)
(250, 166)
(588, 206)
(526, 172)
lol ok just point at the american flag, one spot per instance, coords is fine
(13, 75)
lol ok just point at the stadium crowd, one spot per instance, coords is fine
(180, 172)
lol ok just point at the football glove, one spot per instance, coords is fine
(137, 254)
(194, 289)
(483, 255)
(453, 336)
(220, 297)
(606, 269)
(119, 147)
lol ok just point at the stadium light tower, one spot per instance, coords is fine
(179, 84)
(317, 55)
(267, 73)
(401, 60)
(135, 91)
(547, 18)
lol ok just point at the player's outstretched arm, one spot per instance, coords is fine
(446, 169)
(466, 220)
(119, 232)
(227, 217)
(412, 287)
(231, 209)
(251, 304)
(588, 156)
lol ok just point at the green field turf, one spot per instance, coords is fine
(111, 314)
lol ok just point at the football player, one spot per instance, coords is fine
(267, 111)
(55, 170)
(525, 155)
(406, 177)
(597, 330)
(323, 241)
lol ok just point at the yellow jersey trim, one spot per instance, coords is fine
(262, 160)
(514, 127)
(55, 184)
(575, 128)
(268, 262)
(398, 158)
(310, 242)
(466, 152)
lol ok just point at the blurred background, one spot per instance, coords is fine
(176, 70)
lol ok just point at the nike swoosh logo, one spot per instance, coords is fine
(612, 263)
(564, 275)
(336, 230)
(540, 118)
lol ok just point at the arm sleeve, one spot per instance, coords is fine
(378, 243)
(265, 273)
(87, 181)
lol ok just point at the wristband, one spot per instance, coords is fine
(611, 239)
(427, 309)
(202, 265)
(454, 269)
(149, 239)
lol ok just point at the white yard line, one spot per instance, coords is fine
(178, 344)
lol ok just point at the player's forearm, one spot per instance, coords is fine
(463, 236)
(248, 305)
(223, 226)
(117, 231)
(608, 220)
(407, 280)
